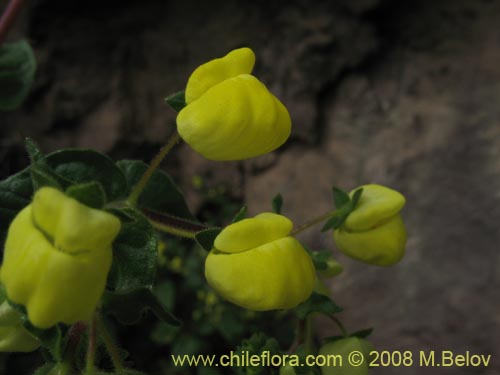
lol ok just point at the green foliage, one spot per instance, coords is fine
(91, 194)
(160, 194)
(177, 101)
(277, 203)
(345, 205)
(206, 238)
(130, 306)
(15, 194)
(257, 344)
(242, 214)
(317, 303)
(17, 70)
(134, 253)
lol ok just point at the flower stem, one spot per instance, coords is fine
(311, 223)
(109, 343)
(8, 17)
(155, 163)
(92, 346)
(340, 325)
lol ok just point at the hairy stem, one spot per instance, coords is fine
(311, 223)
(340, 325)
(109, 343)
(8, 17)
(155, 163)
(92, 346)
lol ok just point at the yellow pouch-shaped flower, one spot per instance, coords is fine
(374, 232)
(230, 114)
(57, 258)
(344, 348)
(255, 264)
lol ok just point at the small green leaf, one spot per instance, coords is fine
(129, 307)
(45, 369)
(340, 197)
(51, 339)
(78, 166)
(15, 194)
(355, 198)
(177, 101)
(242, 213)
(160, 194)
(277, 203)
(33, 150)
(257, 344)
(336, 220)
(43, 176)
(362, 333)
(317, 303)
(134, 253)
(17, 70)
(320, 259)
(91, 194)
(206, 238)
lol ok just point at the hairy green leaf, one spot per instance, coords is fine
(340, 197)
(160, 194)
(134, 253)
(91, 194)
(78, 166)
(15, 194)
(129, 307)
(317, 303)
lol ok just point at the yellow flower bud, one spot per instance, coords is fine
(57, 258)
(374, 232)
(343, 348)
(13, 336)
(230, 114)
(255, 264)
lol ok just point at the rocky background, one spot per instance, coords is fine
(405, 94)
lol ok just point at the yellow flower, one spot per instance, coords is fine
(256, 264)
(57, 258)
(13, 336)
(343, 348)
(374, 232)
(230, 114)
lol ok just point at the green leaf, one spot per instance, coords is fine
(134, 253)
(160, 194)
(78, 166)
(336, 220)
(42, 175)
(277, 203)
(362, 333)
(257, 344)
(91, 194)
(17, 70)
(45, 369)
(129, 307)
(206, 238)
(340, 197)
(317, 303)
(51, 339)
(355, 198)
(177, 101)
(15, 194)
(242, 213)
(320, 259)
(33, 150)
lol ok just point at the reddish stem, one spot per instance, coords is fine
(8, 17)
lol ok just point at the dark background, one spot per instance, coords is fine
(405, 94)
